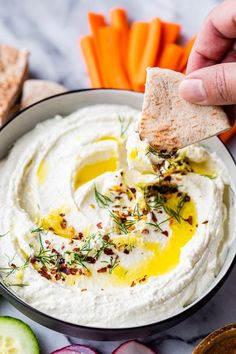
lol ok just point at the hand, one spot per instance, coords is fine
(211, 70)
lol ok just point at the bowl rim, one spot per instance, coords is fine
(178, 316)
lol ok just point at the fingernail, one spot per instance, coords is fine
(193, 90)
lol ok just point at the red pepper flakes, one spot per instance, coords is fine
(133, 284)
(165, 232)
(79, 236)
(145, 231)
(62, 215)
(63, 224)
(90, 259)
(83, 289)
(187, 198)
(43, 271)
(73, 271)
(106, 238)
(108, 251)
(33, 260)
(154, 218)
(189, 220)
(99, 225)
(143, 279)
(205, 222)
(102, 270)
(76, 249)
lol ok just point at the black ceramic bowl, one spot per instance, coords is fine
(65, 104)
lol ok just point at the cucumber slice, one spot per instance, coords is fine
(16, 337)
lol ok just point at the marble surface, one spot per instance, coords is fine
(50, 31)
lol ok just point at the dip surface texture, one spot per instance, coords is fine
(100, 230)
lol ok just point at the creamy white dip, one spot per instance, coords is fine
(101, 231)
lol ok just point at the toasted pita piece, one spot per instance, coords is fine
(168, 122)
(13, 72)
(36, 90)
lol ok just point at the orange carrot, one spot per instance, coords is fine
(119, 20)
(225, 137)
(111, 58)
(137, 40)
(150, 50)
(171, 56)
(187, 50)
(170, 32)
(97, 21)
(88, 49)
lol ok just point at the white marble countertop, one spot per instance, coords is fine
(50, 31)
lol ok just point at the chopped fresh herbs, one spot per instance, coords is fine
(124, 124)
(156, 225)
(122, 223)
(37, 230)
(162, 153)
(102, 200)
(6, 272)
(11, 284)
(112, 263)
(6, 233)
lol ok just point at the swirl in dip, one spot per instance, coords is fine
(100, 230)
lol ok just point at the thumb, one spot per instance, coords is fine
(214, 85)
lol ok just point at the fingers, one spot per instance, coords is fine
(215, 37)
(214, 85)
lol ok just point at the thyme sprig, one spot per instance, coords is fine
(160, 202)
(102, 200)
(160, 153)
(113, 263)
(123, 224)
(124, 124)
(6, 272)
(5, 234)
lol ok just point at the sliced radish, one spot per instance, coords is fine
(75, 349)
(133, 347)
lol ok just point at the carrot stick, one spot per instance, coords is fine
(226, 136)
(150, 50)
(97, 21)
(137, 40)
(119, 20)
(170, 32)
(171, 56)
(187, 50)
(111, 58)
(88, 50)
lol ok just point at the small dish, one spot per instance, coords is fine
(223, 340)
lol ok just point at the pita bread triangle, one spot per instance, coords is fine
(13, 72)
(168, 122)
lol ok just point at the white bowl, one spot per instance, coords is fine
(65, 104)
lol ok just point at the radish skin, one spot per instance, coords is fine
(75, 349)
(133, 347)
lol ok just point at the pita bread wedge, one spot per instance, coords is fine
(36, 90)
(13, 71)
(168, 122)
